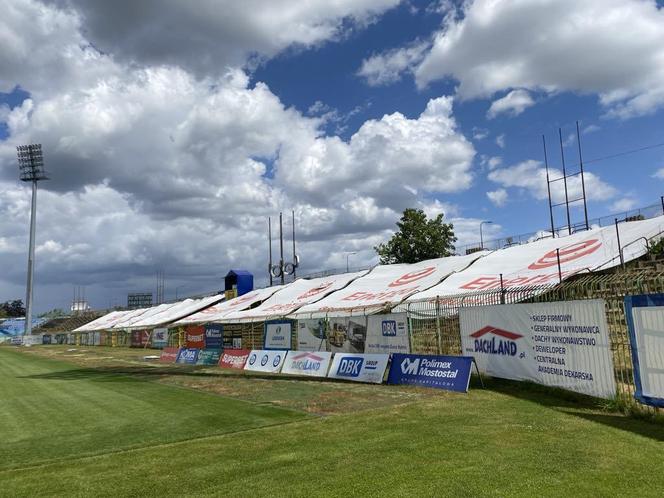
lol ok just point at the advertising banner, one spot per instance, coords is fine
(188, 355)
(234, 358)
(562, 344)
(311, 335)
(347, 334)
(645, 320)
(195, 337)
(159, 338)
(278, 334)
(359, 367)
(213, 335)
(262, 360)
(208, 357)
(137, 339)
(443, 372)
(387, 334)
(312, 364)
(169, 355)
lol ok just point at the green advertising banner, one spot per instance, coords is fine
(208, 357)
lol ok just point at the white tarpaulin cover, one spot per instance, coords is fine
(219, 311)
(387, 284)
(294, 296)
(562, 344)
(176, 311)
(103, 322)
(536, 263)
(129, 320)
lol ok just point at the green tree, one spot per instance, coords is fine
(417, 239)
(54, 313)
(13, 308)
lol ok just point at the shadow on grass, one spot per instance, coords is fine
(575, 404)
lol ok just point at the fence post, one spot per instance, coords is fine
(560, 273)
(622, 260)
(440, 339)
(502, 290)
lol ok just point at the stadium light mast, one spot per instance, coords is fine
(31, 169)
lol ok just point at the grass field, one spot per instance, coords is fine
(104, 422)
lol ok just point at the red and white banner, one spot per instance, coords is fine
(234, 358)
(195, 336)
(308, 363)
(387, 284)
(169, 355)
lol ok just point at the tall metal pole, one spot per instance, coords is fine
(562, 155)
(583, 182)
(548, 187)
(31, 262)
(661, 198)
(269, 240)
(622, 260)
(294, 256)
(281, 249)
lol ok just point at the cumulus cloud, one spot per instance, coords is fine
(512, 104)
(498, 197)
(389, 67)
(613, 48)
(659, 174)
(530, 175)
(624, 204)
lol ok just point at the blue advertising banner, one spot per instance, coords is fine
(188, 355)
(214, 334)
(443, 372)
(645, 321)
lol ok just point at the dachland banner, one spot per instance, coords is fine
(188, 355)
(563, 344)
(234, 358)
(261, 360)
(645, 320)
(444, 372)
(278, 334)
(359, 367)
(387, 334)
(312, 364)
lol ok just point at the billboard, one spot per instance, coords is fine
(309, 363)
(347, 334)
(278, 334)
(387, 334)
(208, 357)
(213, 336)
(262, 360)
(169, 355)
(188, 356)
(159, 338)
(562, 344)
(234, 358)
(645, 320)
(195, 336)
(359, 367)
(311, 335)
(451, 373)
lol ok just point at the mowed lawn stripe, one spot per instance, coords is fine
(52, 410)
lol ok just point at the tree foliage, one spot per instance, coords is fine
(417, 239)
(12, 309)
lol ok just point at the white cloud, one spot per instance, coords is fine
(659, 174)
(613, 48)
(512, 104)
(500, 141)
(498, 197)
(531, 176)
(624, 204)
(389, 67)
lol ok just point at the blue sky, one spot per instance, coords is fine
(170, 146)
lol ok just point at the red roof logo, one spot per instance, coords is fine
(412, 276)
(567, 253)
(490, 329)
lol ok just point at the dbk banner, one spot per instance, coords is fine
(312, 364)
(387, 334)
(561, 344)
(261, 360)
(359, 367)
(444, 372)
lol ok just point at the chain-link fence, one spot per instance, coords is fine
(435, 327)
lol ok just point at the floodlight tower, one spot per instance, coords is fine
(31, 169)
